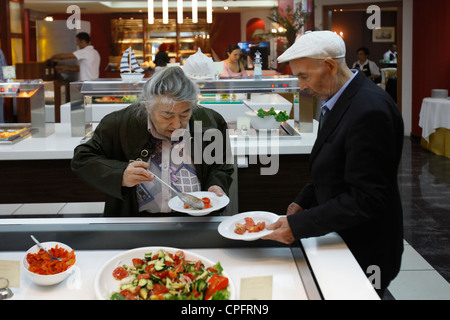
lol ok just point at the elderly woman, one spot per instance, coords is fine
(156, 134)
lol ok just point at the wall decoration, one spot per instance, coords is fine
(384, 34)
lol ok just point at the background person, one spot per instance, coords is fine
(368, 67)
(143, 133)
(354, 161)
(162, 57)
(88, 59)
(232, 65)
(391, 54)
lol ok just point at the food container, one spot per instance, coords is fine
(46, 280)
(439, 93)
(13, 132)
(266, 123)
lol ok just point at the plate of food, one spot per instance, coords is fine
(247, 226)
(211, 201)
(162, 273)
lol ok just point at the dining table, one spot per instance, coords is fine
(435, 124)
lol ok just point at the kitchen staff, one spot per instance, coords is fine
(353, 164)
(150, 135)
(367, 66)
(88, 59)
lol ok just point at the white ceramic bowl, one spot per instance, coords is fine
(266, 123)
(105, 284)
(46, 280)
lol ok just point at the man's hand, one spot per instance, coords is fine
(136, 173)
(282, 232)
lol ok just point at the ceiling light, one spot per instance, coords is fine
(180, 11)
(208, 11)
(194, 11)
(165, 5)
(151, 20)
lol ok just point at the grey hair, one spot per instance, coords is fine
(172, 85)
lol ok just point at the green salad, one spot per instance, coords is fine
(166, 276)
(279, 117)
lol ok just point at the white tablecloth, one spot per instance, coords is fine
(435, 113)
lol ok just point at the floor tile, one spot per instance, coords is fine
(82, 208)
(420, 285)
(39, 208)
(8, 208)
(412, 260)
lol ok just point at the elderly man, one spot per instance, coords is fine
(354, 162)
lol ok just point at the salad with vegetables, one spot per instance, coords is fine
(166, 276)
(279, 117)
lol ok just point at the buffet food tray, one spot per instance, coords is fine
(11, 133)
(286, 131)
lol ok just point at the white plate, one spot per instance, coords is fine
(105, 284)
(227, 226)
(217, 203)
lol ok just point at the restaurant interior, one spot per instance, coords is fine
(417, 81)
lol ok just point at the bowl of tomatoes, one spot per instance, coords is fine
(44, 271)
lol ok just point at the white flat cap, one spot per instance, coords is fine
(315, 45)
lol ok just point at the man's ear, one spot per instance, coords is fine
(331, 65)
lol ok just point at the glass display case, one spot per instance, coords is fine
(30, 96)
(84, 94)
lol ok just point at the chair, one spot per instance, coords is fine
(386, 74)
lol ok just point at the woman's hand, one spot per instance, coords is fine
(136, 173)
(217, 190)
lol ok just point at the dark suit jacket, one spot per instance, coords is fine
(353, 189)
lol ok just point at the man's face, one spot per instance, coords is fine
(81, 43)
(167, 117)
(317, 76)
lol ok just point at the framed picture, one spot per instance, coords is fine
(384, 34)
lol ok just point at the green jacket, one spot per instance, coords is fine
(122, 136)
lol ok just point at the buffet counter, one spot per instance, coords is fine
(61, 144)
(315, 268)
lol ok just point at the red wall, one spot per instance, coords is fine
(431, 53)
(225, 30)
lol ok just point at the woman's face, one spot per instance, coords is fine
(234, 55)
(168, 117)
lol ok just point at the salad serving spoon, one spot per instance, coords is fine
(40, 246)
(188, 199)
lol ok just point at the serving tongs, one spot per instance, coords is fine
(188, 199)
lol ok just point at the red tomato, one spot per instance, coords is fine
(261, 225)
(206, 200)
(190, 275)
(137, 262)
(198, 265)
(240, 228)
(249, 222)
(253, 229)
(129, 295)
(159, 289)
(143, 276)
(119, 273)
(173, 275)
(179, 255)
(179, 268)
(216, 283)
